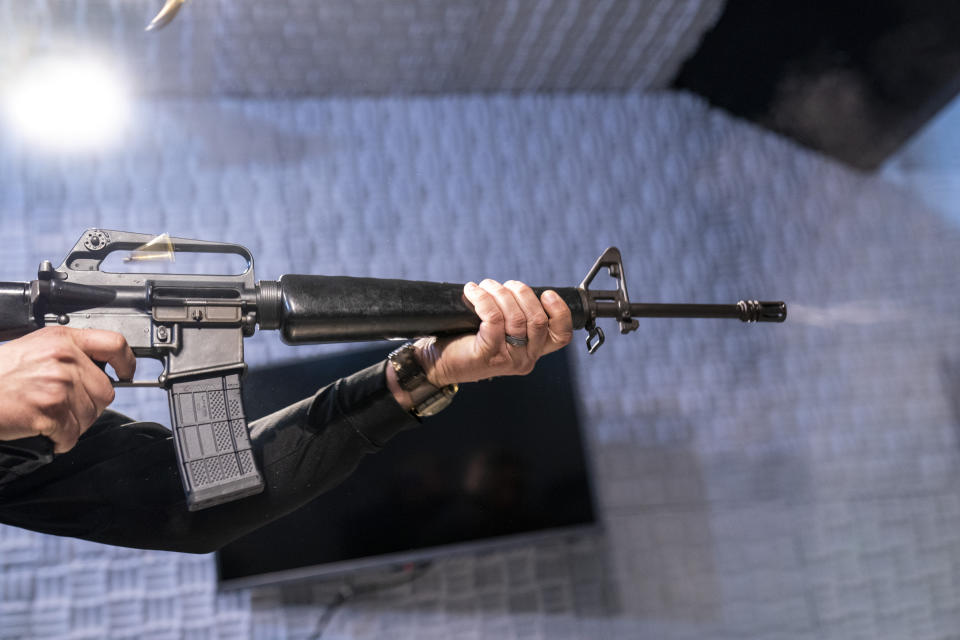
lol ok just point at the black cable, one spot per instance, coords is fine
(347, 592)
(342, 596)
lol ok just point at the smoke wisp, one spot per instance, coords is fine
(854, 313)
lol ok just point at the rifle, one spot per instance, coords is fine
(195, 325)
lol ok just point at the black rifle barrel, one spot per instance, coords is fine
(747, 310)
(310, 309)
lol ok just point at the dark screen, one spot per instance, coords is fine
(505, 458)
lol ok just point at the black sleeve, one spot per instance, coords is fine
(120, 484)
(23, 456)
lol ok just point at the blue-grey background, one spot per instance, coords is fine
(769, 481)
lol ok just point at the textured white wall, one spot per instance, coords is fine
(339, 47)
(794, 481)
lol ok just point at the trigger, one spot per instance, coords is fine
(115, 381)
(103, 367)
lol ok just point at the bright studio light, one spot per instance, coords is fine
(71, 104)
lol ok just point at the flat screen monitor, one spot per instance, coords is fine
(504, 463)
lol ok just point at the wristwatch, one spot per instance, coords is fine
(427, 398)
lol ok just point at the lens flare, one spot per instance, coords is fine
(70, 104)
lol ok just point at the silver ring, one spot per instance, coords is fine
(514, 341)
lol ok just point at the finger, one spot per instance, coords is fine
(94, 383)
(490, 335)
(515, 321)
(70, 434)
(107, 346)
(560, 325)
(63, 429)
(92, 394)
(537, 320)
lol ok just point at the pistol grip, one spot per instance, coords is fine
(213, 446)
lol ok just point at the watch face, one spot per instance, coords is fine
(432, 406)
(437, 402)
